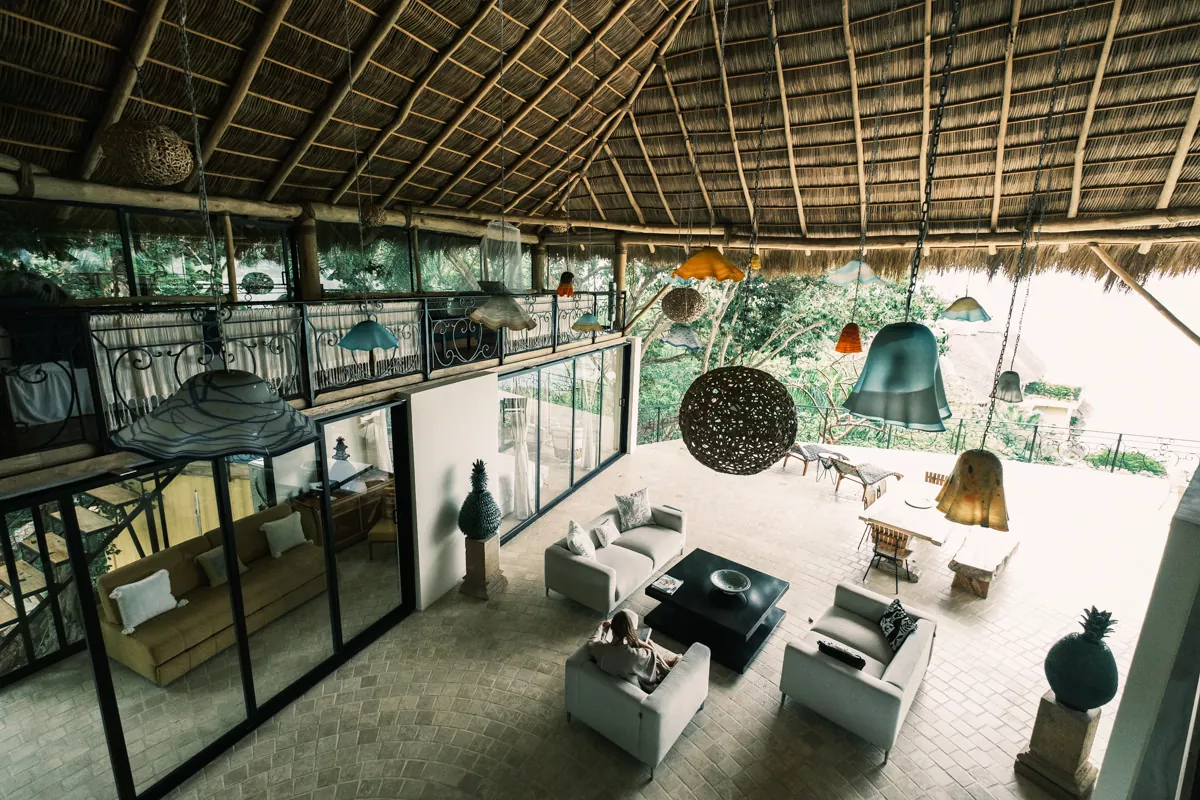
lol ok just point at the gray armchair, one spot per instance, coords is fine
(644, 725)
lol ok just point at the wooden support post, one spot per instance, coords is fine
(309, 268)
(230, 258)
(619, 280)
(1005, 105)
(1181, 153)
(539, 266)
(737, 152)
(858, 135)
(1132, 283)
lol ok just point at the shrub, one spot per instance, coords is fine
(1130, 462)
(1058, 391)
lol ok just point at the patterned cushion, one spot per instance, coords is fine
(606, 532)
(634, 509)
(896, 625)
(579, 542)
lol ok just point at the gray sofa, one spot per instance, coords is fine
(620, 569)
(871, 702)
(644, 725)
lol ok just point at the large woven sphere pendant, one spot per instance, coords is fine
(145, 152)
(683, 304)
(737, 420)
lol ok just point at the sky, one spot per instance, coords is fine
(1138, 372)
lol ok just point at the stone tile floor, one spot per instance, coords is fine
(465, 700)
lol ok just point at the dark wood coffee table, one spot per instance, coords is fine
(735, 627)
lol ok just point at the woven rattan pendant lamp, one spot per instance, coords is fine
(220, 412)
(901, 382)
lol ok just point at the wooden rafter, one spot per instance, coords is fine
(637, 209)
(251, 61)
(687, 140)
(737, 153)
(650, 166)
(1093, 96)
(581, 52)
(410, 100)
(785, 110)
(383, 27)
(599, 208)
(126, 81)
(1005, 105)
(1132, 283)
(565, 124)
(468, 108)
(1177, 161)
(858, 134)
(926, 77)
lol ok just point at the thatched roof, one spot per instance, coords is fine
(442, 145)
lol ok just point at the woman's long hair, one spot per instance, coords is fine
(624, 629)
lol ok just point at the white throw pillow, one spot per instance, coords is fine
(145, 599)
(634, 510)
(284, 534)
(606, 532)
(579, 541)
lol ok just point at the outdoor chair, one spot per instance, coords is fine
(878, 491)
(865, 475)
(936, 478)
(808, 453)
(890, 545)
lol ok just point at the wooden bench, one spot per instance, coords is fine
(981, 558)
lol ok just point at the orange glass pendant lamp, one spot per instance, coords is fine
(709, 262)
(974, 493)
(851, 339)
(566, 285)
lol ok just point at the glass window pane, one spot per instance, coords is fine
(172, 255)
(558, 448)
(79, 249)
(514, 472)
(614, 385)
(263, 263)
(379, 262)
(588, 375)
(449, 263)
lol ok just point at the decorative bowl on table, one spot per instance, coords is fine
(730, 581)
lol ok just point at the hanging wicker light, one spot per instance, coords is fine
(966, 309)
(709, 262)
(373, 215)
(737, 420)
(974, 493)
(850, 340)
(1008, 388)
(683, 304)
(145, 152)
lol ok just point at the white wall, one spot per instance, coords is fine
(1155, 715)
(451, 424)
(635, 387)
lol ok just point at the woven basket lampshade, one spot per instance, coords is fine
(737, 420)
(373, 215)
(966, 309)
(850, 340)
(974, 493)
(683, 304)
(1008, 387)
(147, 153)
(901, 383)
(709, 262)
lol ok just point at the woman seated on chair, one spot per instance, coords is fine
(617, 649)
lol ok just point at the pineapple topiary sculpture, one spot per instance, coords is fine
(479, 517)
(1080, 667)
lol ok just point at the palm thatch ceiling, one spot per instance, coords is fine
(624, 109)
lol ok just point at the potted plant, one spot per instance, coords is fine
(479, 520)
(1080, 667)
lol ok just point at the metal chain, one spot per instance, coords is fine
(914, 266)
(1030, 209)
(499, 81)
(720, 61)
(695, 167)
(762, 131)
(362, 246)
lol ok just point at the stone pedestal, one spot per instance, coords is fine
(1057, 758)
(484, 577)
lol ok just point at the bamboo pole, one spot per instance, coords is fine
(1005, 105)
(230, 257)
(641, 313)
(687, 140)
(127, 79)
(787, 123)
(637, 209)
(1177, 161)
(1132, 283)
(1090, 112)
(926, 77)
(383, 27)
(737, 153)
(649, 165)
(595, 201)
(858, 135)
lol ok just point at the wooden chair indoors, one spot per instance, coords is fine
(873, 495)
(936, 478)
(383, 531)
(890, 545)
(866, 475)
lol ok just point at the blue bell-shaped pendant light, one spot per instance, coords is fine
(966, 309)
(681, 335)
(853, 270)
(368, 335)
(901, 383)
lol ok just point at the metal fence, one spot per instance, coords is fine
(76, 375)
(1029, 442)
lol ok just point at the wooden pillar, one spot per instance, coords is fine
(230, 258)
(1132, 283)
(309, 268)
(619, 265)
(539, 266)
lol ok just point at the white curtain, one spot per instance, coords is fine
(375, 438)
(515, 416)
(335, 366)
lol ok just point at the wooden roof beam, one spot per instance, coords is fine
(1133, 284)
(126, 81)
(414, 93)
(1005, 105)
(1177, 161)
(565, 124)
(468, 108)
(1093, 96)
(926, 77)
(649, 165)
(785, 109)
(687, 141)
(595, 202)
(240, 87)
(737, 153)
(858, 135)
(576, 58)
(637, 209)
(383, 27)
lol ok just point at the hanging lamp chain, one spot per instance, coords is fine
(692, 194)
(1030, 210)
(934, 136)
(362, 247)
(720, 61)
(762, 131)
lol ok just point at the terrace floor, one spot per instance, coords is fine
(465, 700)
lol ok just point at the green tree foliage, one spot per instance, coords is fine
(1058, 391)
(1130, 462)
(380, 263)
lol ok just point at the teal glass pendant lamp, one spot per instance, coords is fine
(901, 383)
(966, 309)
(368, 335)
(854, 270)
(681, 335)
(1008, 387)
(588, 323)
